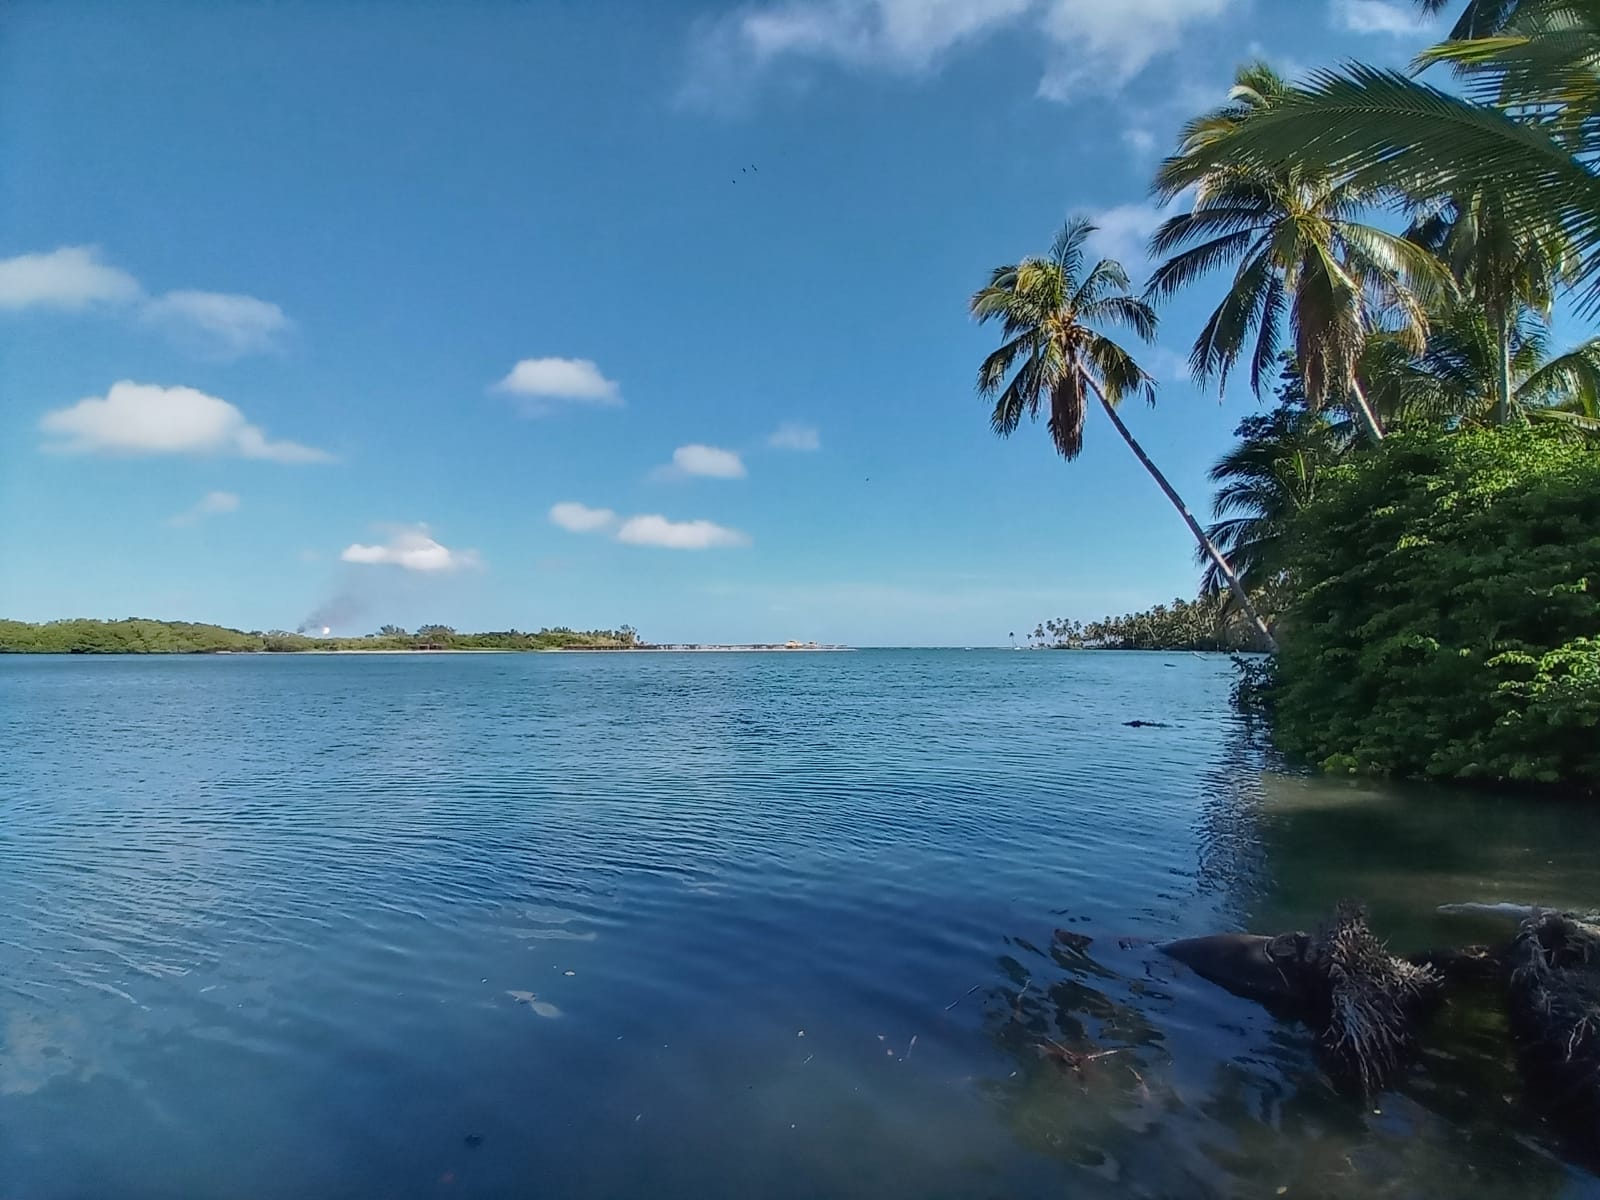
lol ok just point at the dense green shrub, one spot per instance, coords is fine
(1448, 619)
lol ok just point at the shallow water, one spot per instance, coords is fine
(711, 926)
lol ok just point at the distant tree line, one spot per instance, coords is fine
(1209, 623)
(138, 636)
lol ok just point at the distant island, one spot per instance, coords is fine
(139, 636)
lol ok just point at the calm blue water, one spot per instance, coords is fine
(707, 926)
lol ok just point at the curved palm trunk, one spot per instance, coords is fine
(1210, 547)
(1368, 417)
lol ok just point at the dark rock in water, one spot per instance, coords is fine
(1555, 1015)
(1146, 725)
(1342, 981)
(1268, 970)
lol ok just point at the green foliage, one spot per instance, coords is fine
(1447, 616)
(134, 636)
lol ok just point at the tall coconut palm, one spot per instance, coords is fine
(1510, 267)
(1306, 263)
(1051, 353)
(1528, 127)
(1457, 379)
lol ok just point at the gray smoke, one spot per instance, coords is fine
(343, 608)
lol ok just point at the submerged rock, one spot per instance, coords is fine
(1363, 1002)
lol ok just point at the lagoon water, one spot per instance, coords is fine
(711, 926)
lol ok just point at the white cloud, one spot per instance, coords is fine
(212, 504)
(141, 418)
(412, 548)
(1084, 41)
(228, 325)
(580, 518)
(656, 530)
(540, 383)
(72, 277)
(1099, 42)
(1140, 141)
(1389, 18)
(1123, 233)
(793, 436)
(706, 461)
(649, 530)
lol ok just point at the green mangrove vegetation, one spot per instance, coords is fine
(136, 636)
(1412, 524)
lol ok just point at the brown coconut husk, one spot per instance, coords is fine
(1555, 1014)
(1371, 1001)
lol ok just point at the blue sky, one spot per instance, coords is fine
(507, 315)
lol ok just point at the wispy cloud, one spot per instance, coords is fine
(1140, 141)
(707, 462)
(1080, 41)
(655, 530)
(212, 504)
(543, 384)
(73, 278)
(650, 529)
(1389, 18)
(214, 322)
(412, 548)
(140, 418)
(792, 435)
(1123, 232)
(70, 278)
(580, 518)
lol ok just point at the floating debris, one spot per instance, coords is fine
(542, 1008)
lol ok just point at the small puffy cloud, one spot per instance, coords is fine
(540, 384)
(706, 461)
(141, 418)
(656, 530)
(412, 548)
(1390, 18)
(228, 325)
(580, 518)
(212, 504)
(71, 278)
(793, 436)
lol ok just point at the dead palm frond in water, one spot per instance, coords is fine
(1371, 1004)
(1555, 1013)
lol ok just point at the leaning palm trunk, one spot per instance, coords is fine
(1368, 417)
(1210, 547)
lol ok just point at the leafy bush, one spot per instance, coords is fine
(1448, 624)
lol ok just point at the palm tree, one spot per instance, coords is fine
(1458, 377)
(1527, 129)
(1510, 267)
(1266, 480)
(1305, 260)
(1050, 351)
